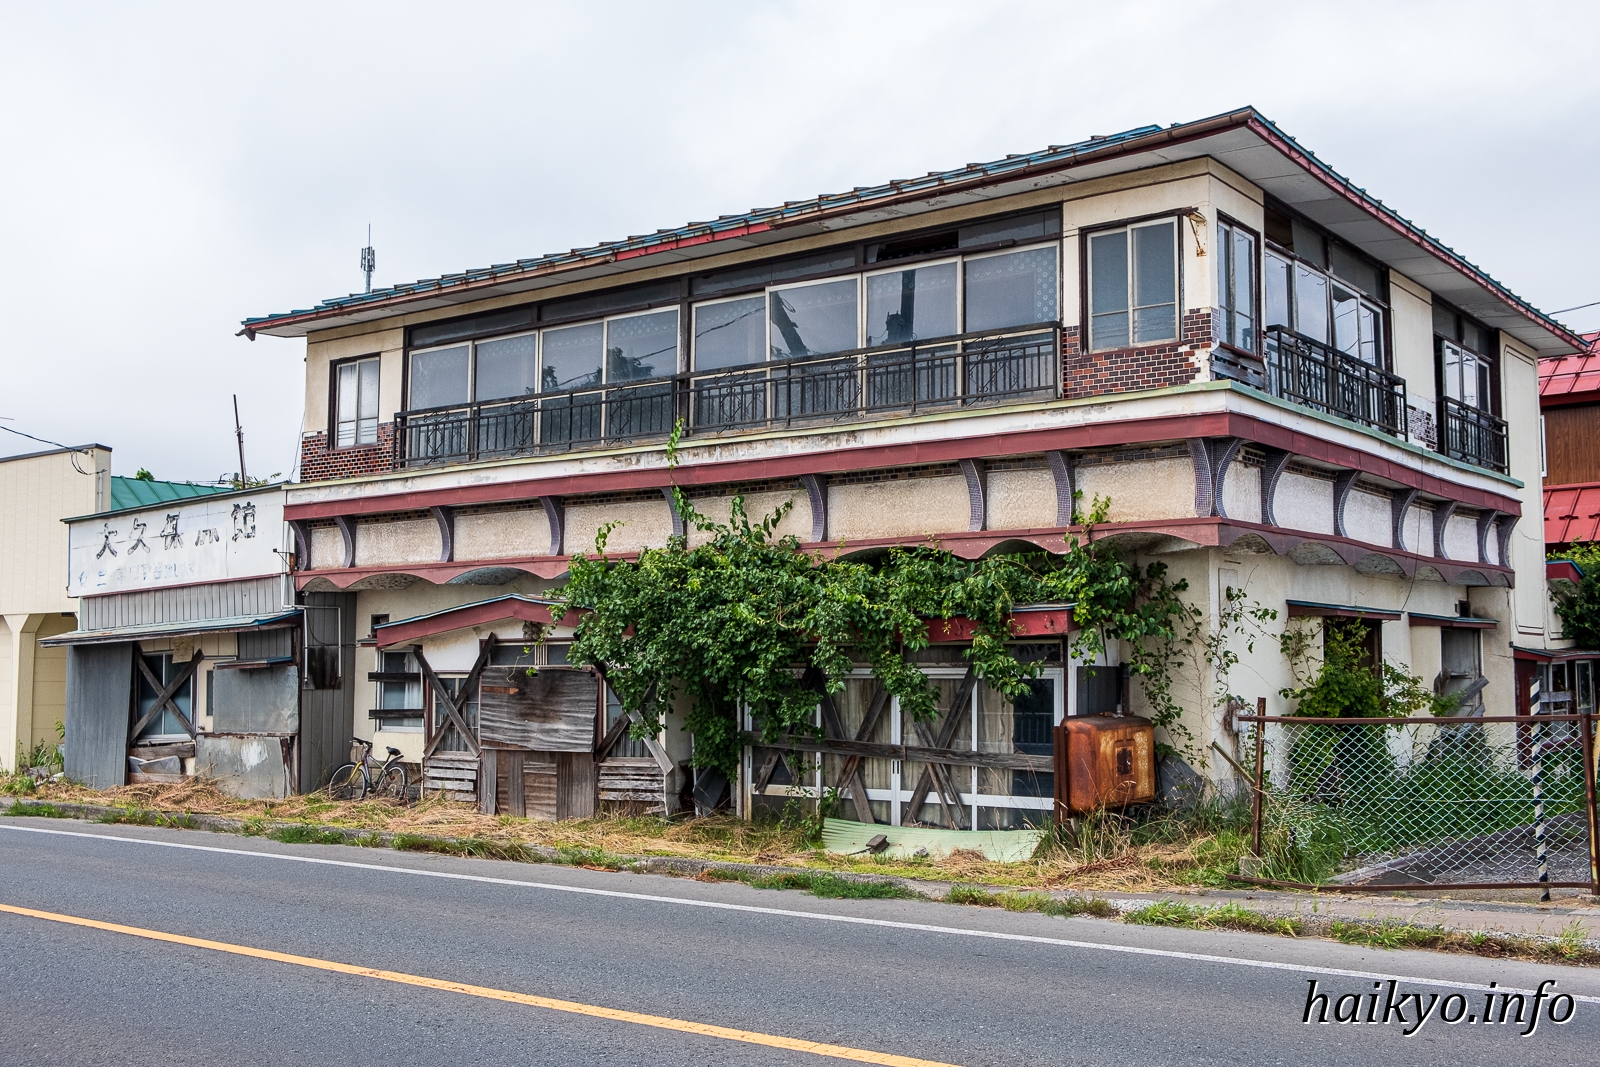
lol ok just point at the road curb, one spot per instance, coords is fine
(1311, 925)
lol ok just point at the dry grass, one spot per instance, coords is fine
(1106, 854)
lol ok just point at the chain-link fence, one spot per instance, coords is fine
(1482, 801)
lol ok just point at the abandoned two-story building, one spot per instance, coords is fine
(1281, 385)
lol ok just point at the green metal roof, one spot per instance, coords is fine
(138, 493)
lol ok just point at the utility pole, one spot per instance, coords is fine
(238, 429)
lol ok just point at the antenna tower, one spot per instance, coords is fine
(369, 258)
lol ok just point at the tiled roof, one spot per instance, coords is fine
(139, 493)
(1569, 377)
(1572, 513)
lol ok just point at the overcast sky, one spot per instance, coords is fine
(167, 170)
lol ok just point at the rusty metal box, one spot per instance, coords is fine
(1104, 761)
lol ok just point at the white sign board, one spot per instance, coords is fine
(208, 539)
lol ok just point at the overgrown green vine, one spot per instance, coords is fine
(747, 619)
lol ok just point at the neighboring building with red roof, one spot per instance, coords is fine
(1569, 401)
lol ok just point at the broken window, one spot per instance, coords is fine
(357, 403)
(399, 693)
(1133, 285)
(814, 319)
(911, 305)
(165, 725)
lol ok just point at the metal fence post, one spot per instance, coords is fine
(1255, 820)
(1534, 704)
(1589, 796)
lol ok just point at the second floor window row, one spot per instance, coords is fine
(964, 294)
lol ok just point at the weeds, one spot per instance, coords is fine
(1042, 903)
(817, 883)
(38, 811)
(306, 835)
(145, 817)
(1223, 917)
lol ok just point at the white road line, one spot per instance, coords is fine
(929, 928)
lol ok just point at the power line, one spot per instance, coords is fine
(1580, 307)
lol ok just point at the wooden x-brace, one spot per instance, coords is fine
(454, 706)
(164, 694)
(937, 775)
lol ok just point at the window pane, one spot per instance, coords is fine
(439, 378)
(1155, 265)
(1444, 322)
(911, 305)
(1109, 331)
(642, 346)
(1371, 345)
(730, 334)
(1310, 303)
(367, 406)
(1108, 290)
(1349, 267)
(1277, 291)
(1346, 323)
(1224, 246)
(1159, 323)
(1242, 259)
(814, 319)
(1108, 271)
(349, 393)
(571, 358)
(1016, 289)
(508, 367)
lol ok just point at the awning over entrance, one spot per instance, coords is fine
(1456, 622)
(1300, 608)
(232, 624)
(497, 609)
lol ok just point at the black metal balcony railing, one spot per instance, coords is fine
(1322, 377)
(967, 370)
(1471, 435)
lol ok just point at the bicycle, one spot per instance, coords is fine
(357, 781)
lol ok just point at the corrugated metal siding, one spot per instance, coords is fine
(190, 603)
(327, 716)
(99, 698)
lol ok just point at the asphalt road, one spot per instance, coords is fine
(898, 978)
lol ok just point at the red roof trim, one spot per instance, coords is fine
(500, 609)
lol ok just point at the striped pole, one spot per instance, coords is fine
(1534, 707)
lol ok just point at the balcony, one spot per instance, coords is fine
(1472, 435)
(1324, 378)
(941, 374)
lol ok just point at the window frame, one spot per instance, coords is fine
(1378, 301)
(334, 370)
(1086, 279)
(1257, 287)
(1489, 360)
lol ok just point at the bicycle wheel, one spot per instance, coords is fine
(392, 785)
(347, 783)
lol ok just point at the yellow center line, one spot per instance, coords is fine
(660, 1022)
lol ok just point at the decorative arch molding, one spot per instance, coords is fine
(1212, 456)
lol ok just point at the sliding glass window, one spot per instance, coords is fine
(912, 305)
(1011, 289)
(1133, 285)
